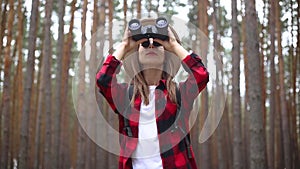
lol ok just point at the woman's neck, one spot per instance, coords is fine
(152, 76)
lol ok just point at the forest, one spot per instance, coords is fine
(53, 117)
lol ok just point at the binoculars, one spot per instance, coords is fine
(159, 30)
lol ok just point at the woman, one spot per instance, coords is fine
(153, 119)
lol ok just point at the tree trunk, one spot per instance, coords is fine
(57, 144)
(262, 29)
(279, 157)
(18, 88)
(246, 111)
(284, 113)
(236, 100)
(139, 7)
(47, 53)
(273, 111)
(101, 154)
(6, 97)
(40, 108)
(205, 162)
(296, 71)
(125, 12)
(2, 29)
(3, 24)
(23, 154)
(112, 160)
(256, 127)
(64, 152)
(81, 92)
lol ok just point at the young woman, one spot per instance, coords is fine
(153, 110)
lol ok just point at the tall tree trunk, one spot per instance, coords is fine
(112, 161)
(139, 8)
(57, 146)
(3, 24)
(236, 100)
(81, 94)
(125, 12)
(284, 112)
(203, 5)
(279, 157)
(297, 71)
(6, 97)
(219, 89)
(246, 111)
(262, 29)
(91, 147)
(2, 29)
(23, 154)
(18, 88)
(64, 152)
(256, 127)
(47, 53)
(40, 109)
(273, 111)
(101, 154)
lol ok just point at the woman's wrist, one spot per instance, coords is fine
(119, 52)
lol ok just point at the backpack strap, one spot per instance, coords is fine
(127, 111)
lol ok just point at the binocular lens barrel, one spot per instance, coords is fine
(161, 22)
(134, 24)
(158, 30)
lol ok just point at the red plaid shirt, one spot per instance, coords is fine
(173, 148)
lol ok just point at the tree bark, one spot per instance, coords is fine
(256, 127)
(236, 100)
(284, 112)
(101, 154)
(6, 97)
(18, 87)
(81, 92)
(23, 154)
(203, 5)
(64, 150)
(279, 157)
(125, 12)
(38, 123)
(3, 25)
(47, 53)
(273, 111)
(139, 8)
(2, 29)
(57, 144)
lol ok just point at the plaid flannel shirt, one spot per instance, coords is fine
(172, 146)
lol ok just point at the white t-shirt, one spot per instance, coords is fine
(147, 153)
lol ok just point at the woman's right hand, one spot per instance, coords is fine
(127, 46)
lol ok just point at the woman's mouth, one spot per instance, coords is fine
(151, 53)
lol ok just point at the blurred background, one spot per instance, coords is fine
(258, 51)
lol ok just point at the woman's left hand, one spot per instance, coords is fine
(172, 45)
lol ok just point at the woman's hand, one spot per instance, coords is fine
(127, 46)
(173, 46)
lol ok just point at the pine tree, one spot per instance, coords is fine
(236, 100)
(23, 154)
(256, 127)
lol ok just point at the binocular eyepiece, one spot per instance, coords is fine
(159, 30)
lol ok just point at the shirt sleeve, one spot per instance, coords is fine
(106, 81)
(197, 79)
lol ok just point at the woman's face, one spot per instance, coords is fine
(151, 56)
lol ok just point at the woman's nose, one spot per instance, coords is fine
(151, 43)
